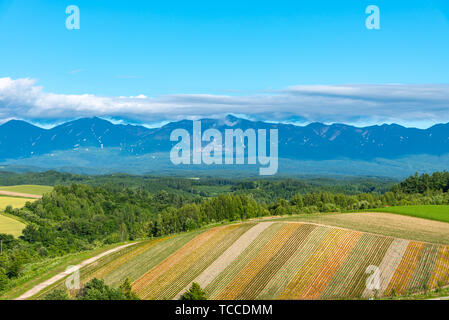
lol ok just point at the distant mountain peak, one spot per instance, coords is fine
(17, 123)
(231, 120)
(91, 120)
(315, 141)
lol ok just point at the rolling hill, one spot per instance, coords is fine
(15, 202)
(12, 226)
(28, 189)
(276, 260)
(17, 197)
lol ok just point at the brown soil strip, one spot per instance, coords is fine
(20, 195)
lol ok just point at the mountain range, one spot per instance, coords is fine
(22, 142)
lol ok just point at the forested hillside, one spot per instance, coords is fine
(438, 181)
(263, 190)
(85, 215)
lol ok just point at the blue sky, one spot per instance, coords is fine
(166, 50)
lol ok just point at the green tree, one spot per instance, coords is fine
(126, 288)
(194, 293)
(58, 294)
(3, 280)
(96, 289)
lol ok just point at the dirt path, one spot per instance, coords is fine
(17, 194)
(36, 289)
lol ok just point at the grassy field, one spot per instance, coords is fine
(11, 226)
(275, 260)
(30, 189)
(13, 201)
(438, 213)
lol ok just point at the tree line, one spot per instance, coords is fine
(263, 190)
(438, 181)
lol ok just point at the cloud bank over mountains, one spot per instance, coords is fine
(409, 105)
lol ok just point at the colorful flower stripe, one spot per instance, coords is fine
(258, 283)
(388, 266)
(352, 267)
(280, 280)
(331, 266)
(87, 274)
(185, 250)
(174, 286)
(107, 269)
(223, 279)
(135, 268)
(424, 269)
(441, 271)
(149, 285)
(306, 273)
(228, 257)
(236, 286)
(404, 271)
(373, 257)
(269, 260)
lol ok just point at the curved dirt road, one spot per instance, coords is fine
(36, 289)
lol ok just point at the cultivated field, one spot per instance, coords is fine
(28, 189)
(14, 202)
(392, 225)
(11, 226)
(276, 260)
(438, 213)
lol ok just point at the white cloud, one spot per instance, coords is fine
(417, 105)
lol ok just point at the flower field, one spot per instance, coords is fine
(276, 260)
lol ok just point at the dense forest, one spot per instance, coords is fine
(263, 190)
(438, 181)
(81, 213)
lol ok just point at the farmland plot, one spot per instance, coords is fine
(277, 260)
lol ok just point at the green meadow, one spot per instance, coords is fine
(30, 189)
(432, 212)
